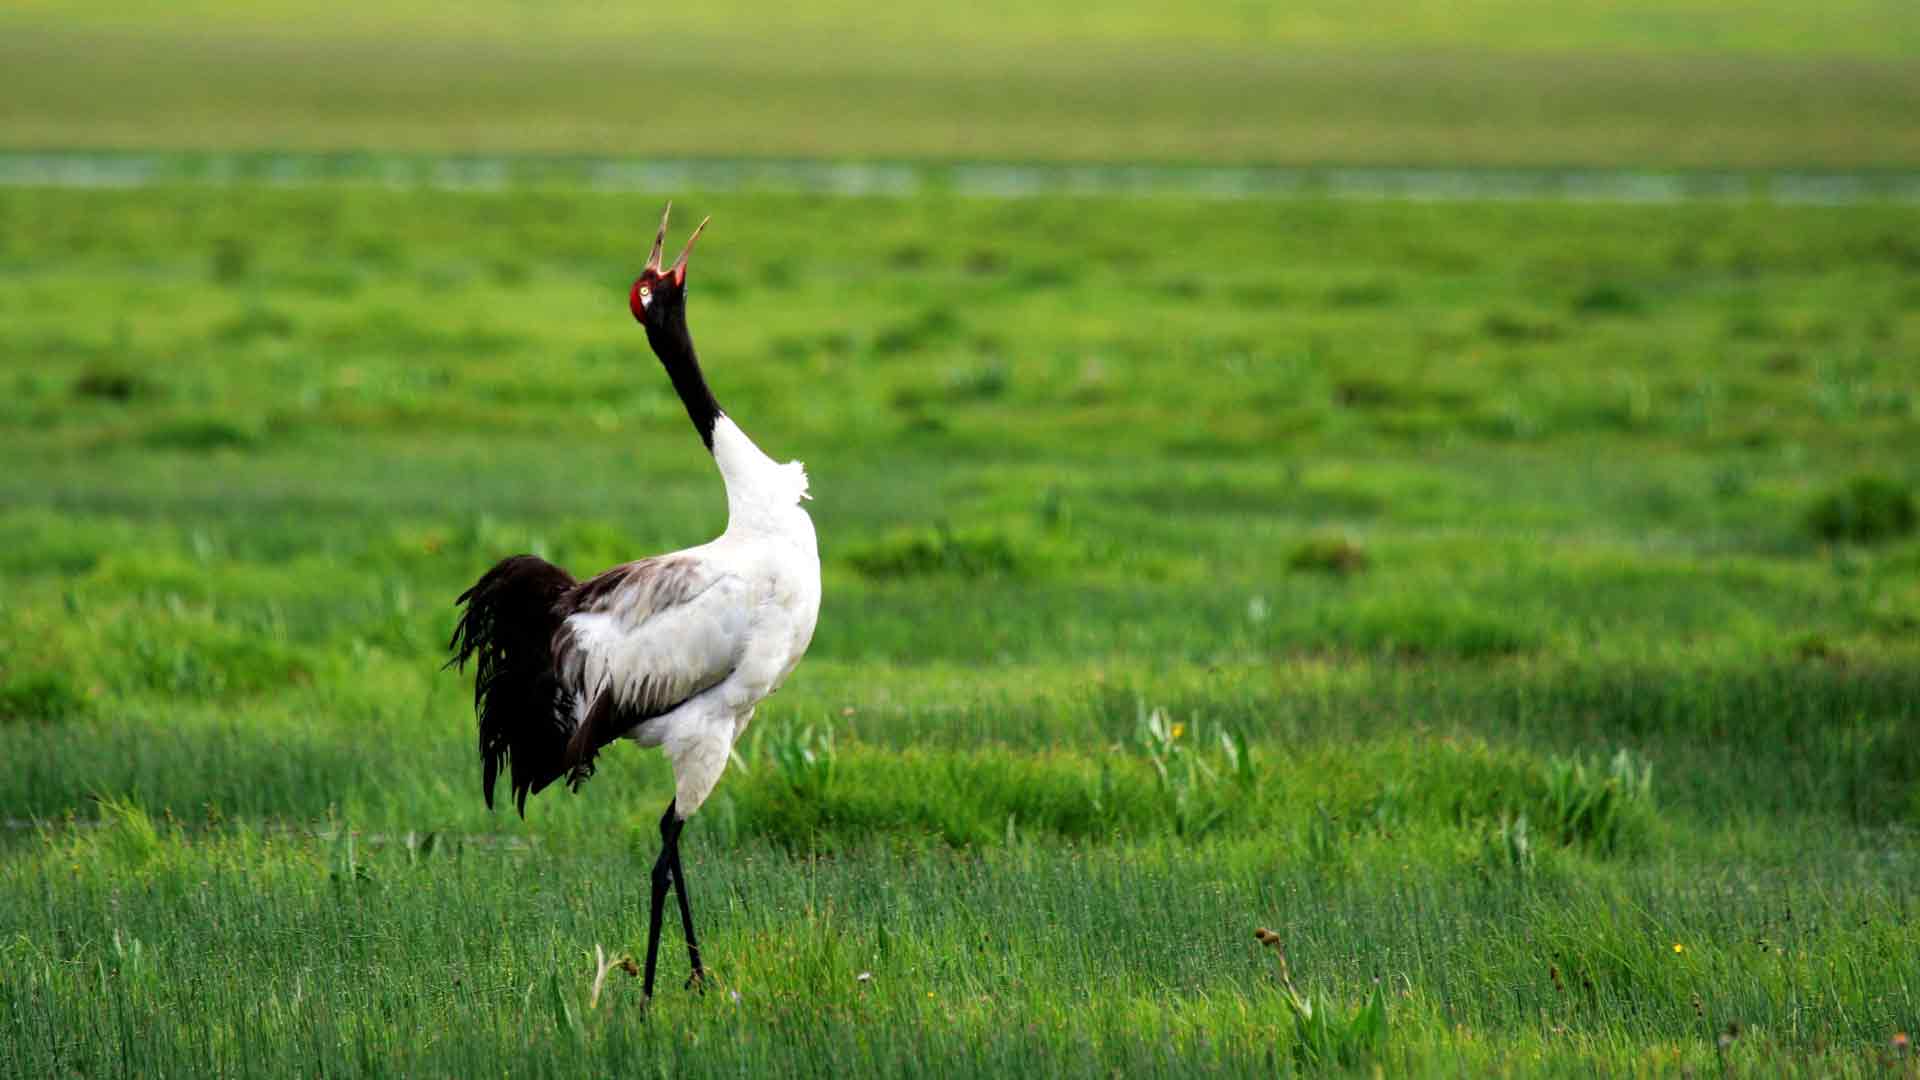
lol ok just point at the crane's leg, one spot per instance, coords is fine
(672, 851)
(662, 880)
(667, 872)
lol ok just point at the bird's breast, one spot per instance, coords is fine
(792, 608)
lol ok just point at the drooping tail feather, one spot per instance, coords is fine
(511, 616)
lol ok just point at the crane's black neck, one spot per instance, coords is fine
(674, 346)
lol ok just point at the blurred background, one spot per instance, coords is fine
(1643, 83)
(1451, 465)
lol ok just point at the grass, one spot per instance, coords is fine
(1849, 27)
(1495, 82)
(1444, 590)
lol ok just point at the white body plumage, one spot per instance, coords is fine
(713, 628)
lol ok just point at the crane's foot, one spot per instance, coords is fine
(697, 981)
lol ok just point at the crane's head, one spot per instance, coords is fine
(659, 294)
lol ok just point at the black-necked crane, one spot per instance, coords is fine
(673, 651)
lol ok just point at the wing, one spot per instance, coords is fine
(641, 639)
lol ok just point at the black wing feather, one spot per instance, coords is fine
(526, 717)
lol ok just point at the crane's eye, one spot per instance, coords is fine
(646, 295)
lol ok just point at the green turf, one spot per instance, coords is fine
(1190, 569)
(1852, 27)
(1712, 83)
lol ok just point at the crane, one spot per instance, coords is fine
(673, 651)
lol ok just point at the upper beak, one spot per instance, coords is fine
(659, 240)
(679, 269)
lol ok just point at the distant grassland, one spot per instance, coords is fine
(1586, 83)
(1510, 606)
(1886, 28)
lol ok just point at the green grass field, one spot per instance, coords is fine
(1703, 83)
(1513, 608)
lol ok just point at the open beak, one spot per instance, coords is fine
(678, 271)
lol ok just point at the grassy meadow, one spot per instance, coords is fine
(1700, 83)
(1512, 609)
